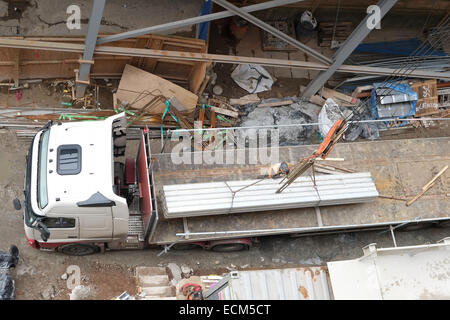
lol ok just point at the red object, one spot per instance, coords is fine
(144, 182)
(36, 54)
(330, 139)
(33, 243)
(54, 245)
(130, 171)
(238, 28)
(18, 95)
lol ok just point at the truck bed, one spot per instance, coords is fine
(399, 168)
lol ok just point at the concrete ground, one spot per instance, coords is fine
(48, 17)
(38, 275)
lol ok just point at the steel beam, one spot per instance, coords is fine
(344, 51)
(274, 31)
(204, 57)
(90, 43)
(191, 21)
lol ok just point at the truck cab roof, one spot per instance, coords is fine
(79, 164)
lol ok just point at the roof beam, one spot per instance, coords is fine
(344, 51)
(89, 47)
(191, 21)
(274, 31)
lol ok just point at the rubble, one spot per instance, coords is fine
(81, 292)
(49, 292)
(175, 271)
(296, 113)
(186, 271)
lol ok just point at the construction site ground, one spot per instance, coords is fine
(38, 274)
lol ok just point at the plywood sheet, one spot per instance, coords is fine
(427, 98)
(136, 84)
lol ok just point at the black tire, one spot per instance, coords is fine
(185, 246)
(79, 249)
(229, 247)
(416, 226)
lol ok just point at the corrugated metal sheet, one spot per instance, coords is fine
(310, 283)
(185, 200)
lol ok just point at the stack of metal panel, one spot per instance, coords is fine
(309, 283)
(214, 198)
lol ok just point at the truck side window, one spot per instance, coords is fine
(69, 159)
(59, 222)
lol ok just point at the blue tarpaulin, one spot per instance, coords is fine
(396, 88)
(401, 47)
(203, 28)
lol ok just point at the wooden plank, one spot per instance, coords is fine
(250, 98)
(330, 93)
(330, 159)
(421, 193)
(426, 187)
(203, 86)
(316, 99)
(36, 63)
(226, 112)
(138, 87)
(360, 89)
(275, 104)
(427, 98)
(435, 177)
(204, 57)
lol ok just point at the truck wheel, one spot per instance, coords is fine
(79, 249)
(229, 247)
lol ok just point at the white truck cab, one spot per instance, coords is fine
(70, 191)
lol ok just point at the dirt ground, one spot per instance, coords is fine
(38, 274)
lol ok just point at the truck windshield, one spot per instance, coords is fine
(42, 170)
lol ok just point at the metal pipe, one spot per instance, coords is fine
(90, 43)
(191, 21)
(274, 31)
(344, 51)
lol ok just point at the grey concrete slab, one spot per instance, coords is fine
(48, 17)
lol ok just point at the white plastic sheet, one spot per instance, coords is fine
(329, 114)
(252, 78)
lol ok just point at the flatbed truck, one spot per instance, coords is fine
(84, 195)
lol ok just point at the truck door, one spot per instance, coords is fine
(96, 222)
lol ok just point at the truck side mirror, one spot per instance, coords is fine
(45, 233)
(17, 205)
